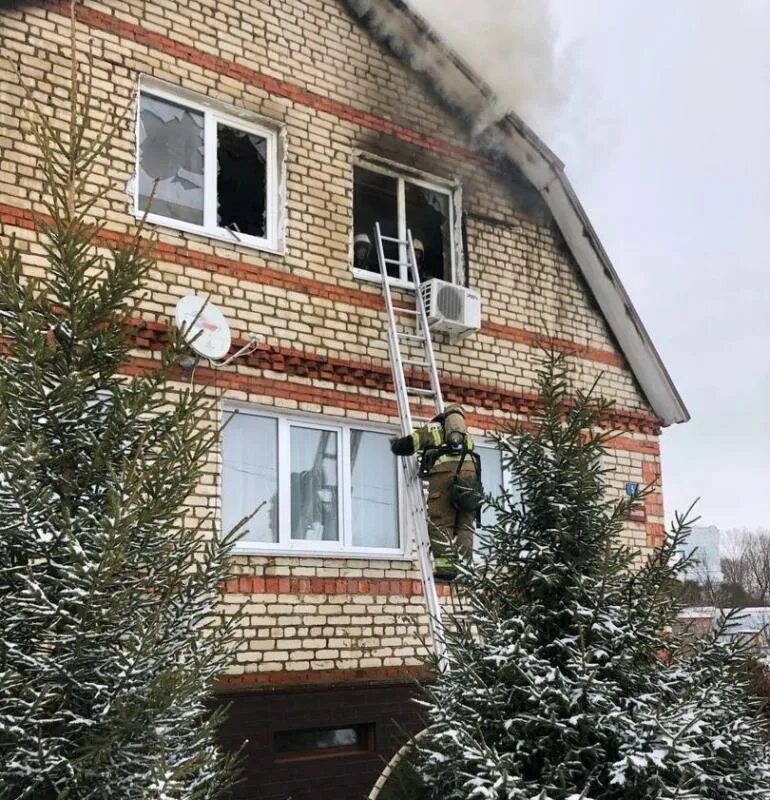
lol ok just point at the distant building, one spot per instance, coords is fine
(749, 623)
(705, 542)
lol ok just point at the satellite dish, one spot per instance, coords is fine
(203, 326)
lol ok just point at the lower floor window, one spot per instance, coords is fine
(316, 742)
(316, 485)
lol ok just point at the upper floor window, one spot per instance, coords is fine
(323, 486)
(203, 171)
(401, 201)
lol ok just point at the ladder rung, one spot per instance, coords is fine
(415, 363)
(412, 336)
(415, 390)
(397, 261)
(399, 310)
(393, 239)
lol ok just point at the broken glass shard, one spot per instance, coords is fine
(171, 159)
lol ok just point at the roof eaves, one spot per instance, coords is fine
(598, 271)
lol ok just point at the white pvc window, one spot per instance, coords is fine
(206, 172)
(323, 487)
(400, 201)
(496, 481)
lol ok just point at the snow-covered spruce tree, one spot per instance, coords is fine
(107, 582)
(566, 679)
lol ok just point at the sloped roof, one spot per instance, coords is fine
(410, 38)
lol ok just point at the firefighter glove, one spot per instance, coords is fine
(402, 446)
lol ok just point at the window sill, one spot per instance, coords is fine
(257, 549)
(249, 242)
(375, 277)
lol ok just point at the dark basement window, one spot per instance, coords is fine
(322, 742)
(399, 203)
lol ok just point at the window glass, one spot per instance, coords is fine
(373, 490)
(250, 476)
(354, 737)
(171, 153)
(241, 181)
(375, 199)
(427, 216)
(492, 478)
(314, 491)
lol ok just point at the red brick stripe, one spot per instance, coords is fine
(329, 677)
(305, 393)
(532, 339)
(173, 254)
(99, 20)
(376, 587)
(351, 401)
(153, 335)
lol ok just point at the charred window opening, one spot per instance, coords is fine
(399, 203)
(241, 181)
(201, 171)
(427, 216)
(317, 742)
(375, 199)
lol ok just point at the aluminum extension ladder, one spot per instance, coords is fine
(399, 340)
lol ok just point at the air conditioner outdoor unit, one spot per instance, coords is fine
(451, 308)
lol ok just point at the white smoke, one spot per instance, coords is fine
(510, 44)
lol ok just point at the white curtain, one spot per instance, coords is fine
(250, 476)
(373, 478)
(314, 489)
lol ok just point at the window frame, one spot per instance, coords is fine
(485, 442)
(403, 174)
(343, 546)
(213, 115)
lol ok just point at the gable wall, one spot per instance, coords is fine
(308, 67)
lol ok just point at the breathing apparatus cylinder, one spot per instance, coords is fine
(454, 426)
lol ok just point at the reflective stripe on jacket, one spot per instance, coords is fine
(431, 436)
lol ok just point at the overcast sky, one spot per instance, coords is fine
(661, 114)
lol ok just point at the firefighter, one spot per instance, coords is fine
(362, 247)
(452, 467)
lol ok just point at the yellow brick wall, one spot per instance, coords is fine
(291, 56)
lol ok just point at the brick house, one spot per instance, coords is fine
(279, 131)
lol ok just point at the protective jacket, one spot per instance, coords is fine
(447, 467)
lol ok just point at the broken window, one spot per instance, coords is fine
(427, 217)
(399, 203)
(241, 181)
(202, 171)
(171, 160)
(322, 486)
(375, 199)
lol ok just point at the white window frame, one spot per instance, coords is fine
(343, 547)
(214, 114)
(485, 443)
(403, 175)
